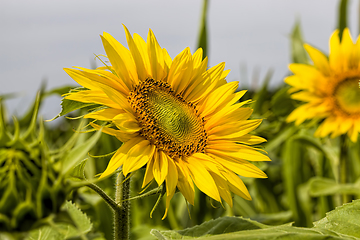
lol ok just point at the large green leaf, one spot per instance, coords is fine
(344, 219)
(341, 223)
(240, 228)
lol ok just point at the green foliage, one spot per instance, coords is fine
(33, 176)
(68, 106)
(342, 223)
(78, 226)
(298, 53)
(344, 219)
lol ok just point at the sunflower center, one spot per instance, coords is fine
(167, 120)
(347, 95)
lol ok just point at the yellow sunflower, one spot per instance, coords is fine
(180, 119)
(330, 88)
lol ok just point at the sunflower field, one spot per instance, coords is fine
(154, 147)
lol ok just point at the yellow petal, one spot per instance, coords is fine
(90, 96)
(122, 136)
(106, 114)
(217, 97)
(199, 89)
(142, 47)
(148, 172)
(243, 153)
(237, 186)
(126, 122)
(233, 114)
(319, 59)
(105, 77)
(354, 131)
(242, 128)
(335, 56)
(185, 183)
(240, 167)
(180, 71)
(197, 57)
(81, 79)
(250, 139)
(203, 179)
(138, 58)
(120, 156)
(124, 70)
(171, 182)
(117, 97)
(156, 57)
(160, 168)
(138, 156)
(223, 188)
(347, 50)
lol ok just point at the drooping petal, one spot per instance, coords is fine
(138, 156)
(203, 179)
(160, 167)
(121, 156)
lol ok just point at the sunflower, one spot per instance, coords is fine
(330, 88)
(180, 119)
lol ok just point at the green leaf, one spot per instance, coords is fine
(344, 219)
(78, 172)
(77, 154)
(60, 90)
(240, 228)
(260, 98)
(68, 106)
(329, 151)
(325, 186)
(203, 42)
(45, 233)
(281, 103)
(212, 227)
(298, 52)
(80, 220)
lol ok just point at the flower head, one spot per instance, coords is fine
(330, 87)
(180, 119)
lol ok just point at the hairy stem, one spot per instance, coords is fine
(122, 211)
(103, 195)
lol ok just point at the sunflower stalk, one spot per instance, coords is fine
(103, 195)
(343, 171)
(122, 210)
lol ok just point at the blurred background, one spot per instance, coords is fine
(39, 38)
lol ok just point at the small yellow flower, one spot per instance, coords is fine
(180, 119)
(330, 88)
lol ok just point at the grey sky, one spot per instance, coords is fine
(39, 38)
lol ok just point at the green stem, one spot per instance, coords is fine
(103, 195)
(122, 212)
(343, 171)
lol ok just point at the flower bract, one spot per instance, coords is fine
(178, 119)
